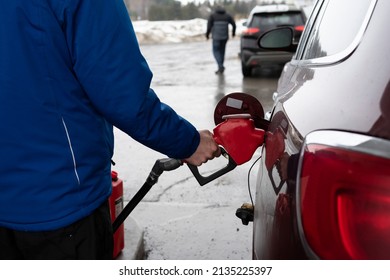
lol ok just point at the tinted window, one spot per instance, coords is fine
(338, 27)
(272, 20)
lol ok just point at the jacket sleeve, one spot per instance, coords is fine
(116, 78)
(233, 23)
(210, 23)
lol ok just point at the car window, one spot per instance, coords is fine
(335, 33)
(308, 27)
(272, 20)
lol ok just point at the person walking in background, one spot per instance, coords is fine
(218, 25)
(69, 72)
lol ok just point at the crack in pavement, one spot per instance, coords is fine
(166, 189)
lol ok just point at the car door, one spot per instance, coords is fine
(325, 86)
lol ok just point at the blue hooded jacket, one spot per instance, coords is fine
(69, 71)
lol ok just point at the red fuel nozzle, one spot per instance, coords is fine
(239, 137)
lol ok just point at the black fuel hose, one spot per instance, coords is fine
(159, 167)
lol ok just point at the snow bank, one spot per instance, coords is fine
(170, 31)
(151, 32)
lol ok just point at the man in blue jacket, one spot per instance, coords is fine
(218, 26)
(70, 70)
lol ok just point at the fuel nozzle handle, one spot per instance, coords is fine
(239, 139)
(202, 180)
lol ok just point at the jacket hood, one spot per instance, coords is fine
(220, 10)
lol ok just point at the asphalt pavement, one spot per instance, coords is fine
(178, 219)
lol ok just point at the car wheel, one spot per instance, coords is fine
(246, 71)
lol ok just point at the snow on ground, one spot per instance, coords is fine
(151, 32)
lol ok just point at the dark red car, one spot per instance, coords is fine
(323, 189)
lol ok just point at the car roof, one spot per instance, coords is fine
(273, 8)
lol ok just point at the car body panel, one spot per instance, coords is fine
(345, 92)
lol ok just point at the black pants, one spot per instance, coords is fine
(219, 48)
(88, 239)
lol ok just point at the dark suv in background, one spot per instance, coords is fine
(261, 19)
(323, 189)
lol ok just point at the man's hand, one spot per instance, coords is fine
(207, 149)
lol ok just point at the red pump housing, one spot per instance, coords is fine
(116, 206)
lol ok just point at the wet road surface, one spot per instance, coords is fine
(186, 70)
(182, 220)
